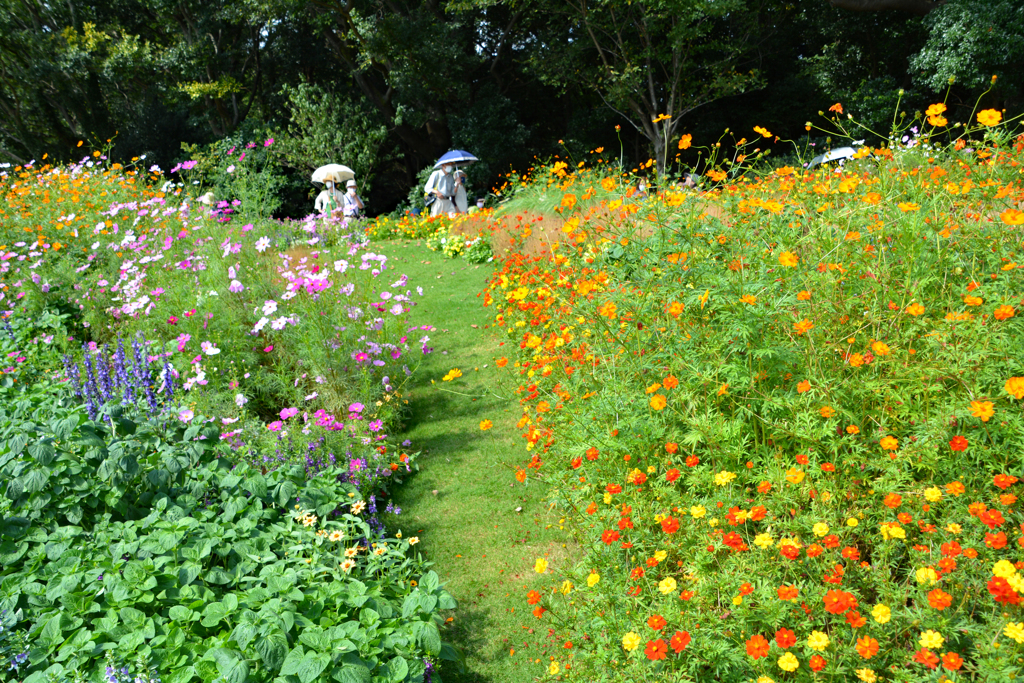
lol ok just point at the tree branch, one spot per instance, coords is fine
(918, 7)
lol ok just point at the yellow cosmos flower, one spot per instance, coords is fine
(867, 675)
(788, 259)
(630, 641)
(926, 575)
(931, 640)
(724, 477)
(789, 662)
(881, 614)
(540, 566)
(933, 494)
(553, 669)
(1015, 631)
(820, 529)
(818, 641)
(698, 511)
(764, 541)
(1004, 569)
(593, 579)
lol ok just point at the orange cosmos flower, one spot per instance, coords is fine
(1015, 387)
(724, 389)
(838, 602)
(1012, 217)
(757, 647)
(935, 109)
(788, 593)
(608, 309)
(670, 382)
(658, 402)
(803, 326)
(817, 663)
(657, 622)
(852, 429)
(952, 661)
(889, 443)
(983, 410)
(955, 488)
(485, 425)
(880, 349)
(1004, 481)
(827, 412)
(672, 447)
(867, 647)
(679, 641)
(763, 132)
(520, 475)
(685, 141)
(568, 200)
(1004, 312)
(958, 443)
(532, 598)
(906, 207)
(939, 599)
(788, 259)
(804, 296)
(892, 501)
(837, 107)
(785, 638)
(803, 387)
(972, 300)
(656, 649)
(915, 309)
(989, 117)
(748, 299)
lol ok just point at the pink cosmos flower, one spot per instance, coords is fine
(275, 426)
(289, 413)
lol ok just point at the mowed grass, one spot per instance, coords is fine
(482, 529)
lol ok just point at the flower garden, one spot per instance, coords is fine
(782, 419)
(779, 415)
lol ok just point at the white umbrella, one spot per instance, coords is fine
(341, 173)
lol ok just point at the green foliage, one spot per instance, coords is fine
(143, 538)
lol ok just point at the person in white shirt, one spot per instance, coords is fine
(329, 200)
(351, 204)
(461, 200)
(441, 184)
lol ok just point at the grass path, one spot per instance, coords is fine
(482, 532)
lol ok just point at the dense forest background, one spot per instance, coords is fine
(385, 86)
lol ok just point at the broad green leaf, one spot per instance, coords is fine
(272, 648)
(312, 665)
(398, 669)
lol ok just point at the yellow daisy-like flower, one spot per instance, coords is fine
(867, 675)
(852, 522)
(820, 529)
(553, 669)
(881, 614)
(764, 541)
(698, 511)
(1015, 631)
(592, 579)
(788, 259)
(667, 585)
(932, 640)
(990, 117)
(933, 494)
(540, 566)
(724, 477)
(818, 640)
(1004, 569)
(630, 641)
(926, 575)
(566, 587)
(789, 662)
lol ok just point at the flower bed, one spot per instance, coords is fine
(199, 372)
(784, 432)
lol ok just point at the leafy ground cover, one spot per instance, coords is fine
(784, 433)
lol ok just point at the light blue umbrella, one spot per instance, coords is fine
(455, 156)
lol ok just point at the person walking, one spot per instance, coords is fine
(461, 200)
(441, 185)
(330, 198)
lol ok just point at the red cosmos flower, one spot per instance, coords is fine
(867, 647)
(958, 444)
(634, 591)
(757, 647)
(656, 649)
(851, 553)
(679, 641)
(837, 601)
(656, 621)
(789, 551)
(592, 453)
(946, 564)
(828, 467)
(539, 611)
(670, 525)
(996, 541)
(637, 573)
(532, 598)
(817, 663)
(926, 657)
(952, 661)
(939, 599)
(813, 550)
(830, 541)
(625, 523)
(1002, 591)
(672, 448)
(610, 536)
(746, 589)
(686, 596)
(613, 488)
(785, 638)
(757, 513)
(950, 549)
(735, 541)
(855, 620)
(692, 461)
(991, 518)
(672, 475)
(577, 462)
(1004, 481)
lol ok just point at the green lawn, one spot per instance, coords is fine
(482, 530)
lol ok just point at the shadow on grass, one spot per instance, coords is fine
(467, 633)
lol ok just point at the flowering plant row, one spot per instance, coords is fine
(780, 418)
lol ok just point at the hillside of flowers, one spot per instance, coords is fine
(197, 408)
(781, 415)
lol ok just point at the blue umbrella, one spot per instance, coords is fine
(455, 156)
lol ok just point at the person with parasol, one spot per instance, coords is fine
(443, 188)
(331, 198)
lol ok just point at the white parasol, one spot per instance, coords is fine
(341, 173)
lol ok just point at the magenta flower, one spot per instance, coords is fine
(289, 413)
(275, 426)
(269, 142)
(182, 340)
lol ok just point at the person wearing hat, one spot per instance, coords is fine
(351, 204)
(330, 199)
(441, 184)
